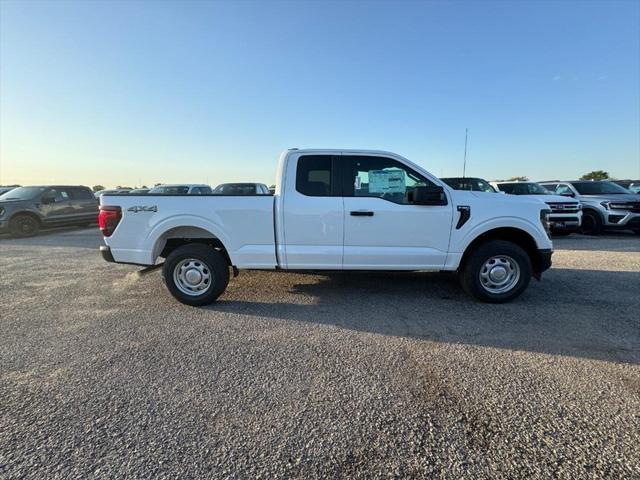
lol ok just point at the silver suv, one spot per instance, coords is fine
(605, 205)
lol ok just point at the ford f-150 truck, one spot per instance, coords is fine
(333, 210)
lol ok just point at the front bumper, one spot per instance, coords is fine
(541, 262)
(622, 219)
(105, 251)
(572, 224)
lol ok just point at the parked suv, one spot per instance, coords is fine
(182, 189)
(566, 213)
(469, 183)
(24, 210)
(605, 205)
(242, 189)
(632, 185)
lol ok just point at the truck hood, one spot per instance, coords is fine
(462, 196)
(13, 202)
(551, 198)
(623, 197)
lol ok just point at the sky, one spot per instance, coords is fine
(142, 92)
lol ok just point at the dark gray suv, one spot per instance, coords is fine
(24, 210)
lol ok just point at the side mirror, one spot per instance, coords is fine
(429, 195)
(48, 199)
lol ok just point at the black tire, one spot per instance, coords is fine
(591, 223)
(23, 225)
(470, 275)
(206, 261)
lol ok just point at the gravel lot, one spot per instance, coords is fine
(104, 375)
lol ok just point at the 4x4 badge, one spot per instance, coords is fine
(153, 208)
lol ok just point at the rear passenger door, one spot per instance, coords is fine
(313, 214)
(84, 206)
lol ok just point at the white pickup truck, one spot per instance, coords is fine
(333, 210)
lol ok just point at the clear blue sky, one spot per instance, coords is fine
(129, 92)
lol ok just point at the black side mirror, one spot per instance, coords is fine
(429, 195)
(48, 199)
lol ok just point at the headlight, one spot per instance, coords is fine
(544, 219)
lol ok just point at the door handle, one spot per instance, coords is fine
(361, 213)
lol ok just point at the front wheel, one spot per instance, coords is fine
(496, 272)
(196, 274)
(24, 226)
(591, 223)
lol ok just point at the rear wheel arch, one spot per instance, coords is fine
(179, 236)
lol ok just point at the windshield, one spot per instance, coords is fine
(168, 190)
(473, 184)
(22, 193)
(599, 188)
(236, 189)
(521, 188)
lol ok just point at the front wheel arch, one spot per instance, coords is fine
(509, 234)
(16, 216)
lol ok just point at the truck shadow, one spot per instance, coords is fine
(581, 313)
(74, 237)
(623, 241)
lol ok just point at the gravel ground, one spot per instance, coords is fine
(104, 375)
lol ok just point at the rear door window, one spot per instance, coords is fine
(314, 176)
(81, 194)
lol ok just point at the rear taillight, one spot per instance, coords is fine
(108, 219)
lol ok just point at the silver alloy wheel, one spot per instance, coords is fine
(192, 277)
(499, 274)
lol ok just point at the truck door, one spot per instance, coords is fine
(56, 205)
(84, 204)
(313, 213)
(383, 229)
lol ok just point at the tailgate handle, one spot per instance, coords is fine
(361, 213)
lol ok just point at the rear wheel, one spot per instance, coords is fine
(24, 226)
(496, 271)
(591, 223)
(196, 274)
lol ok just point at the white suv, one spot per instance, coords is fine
(605, 204)
(566, 213)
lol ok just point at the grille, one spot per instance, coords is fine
(557, 207)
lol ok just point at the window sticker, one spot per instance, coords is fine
(387, 181)
(358, 183)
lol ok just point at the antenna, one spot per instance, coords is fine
(464, 165)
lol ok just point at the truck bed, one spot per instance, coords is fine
(244, 225)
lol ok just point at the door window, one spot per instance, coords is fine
(81, 194)
(314, 175)
(59, 194)
(382, 178)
